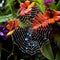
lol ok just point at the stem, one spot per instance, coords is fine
(4, 49)
(0, 54)
(15, 57)
(19, 1)
(11, 51)
(11, 10)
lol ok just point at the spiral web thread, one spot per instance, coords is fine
(36, 41)
(30, 41)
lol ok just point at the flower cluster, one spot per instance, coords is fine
(40, 20)
(26, 7)
(49, 17)
(8, 28)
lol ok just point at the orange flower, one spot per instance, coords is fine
(26, 7)
(10, 33)
(42, 20)
(39, 21)
(12, 24)
(52, 16)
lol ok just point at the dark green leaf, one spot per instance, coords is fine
(15, 57)
(47, 52)
(53, 6)
(57, 38)
(57, 56)
(58, 6)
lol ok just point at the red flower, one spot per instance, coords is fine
(26, 7)
(42, 20)
(12, 26)
(53, 16)
(39, 21)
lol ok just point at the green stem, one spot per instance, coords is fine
(11, 10)
(4, 49)
(15, 57)
(0, 52)
(19, 1)
(11, 51)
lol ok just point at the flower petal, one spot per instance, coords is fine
(1, 28)
(27, 3)
(31, 5)
(22, 13)
(51, 21)
(22, 5)
(27, 11)
(10, 33)
(47, 2)
(5, 32)
(36, 26)
(1, 34)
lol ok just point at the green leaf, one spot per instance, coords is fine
(57, 56)
(15, 57)
(19, 1)
(58, 6)
(47, 52)
(57, 38)
(9, 6)
(22, 25)
(5, 18)
(53, 6)
(40, 5)
(9, 2)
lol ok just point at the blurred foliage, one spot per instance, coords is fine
(58, 6)
(5, 18)
(55, 6)
(57, 56)
(57, 38)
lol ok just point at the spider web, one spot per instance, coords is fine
(32, 43)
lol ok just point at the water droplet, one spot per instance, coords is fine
(45, 38)
(26, 48)
(29, 34)
(28, 43)
(26, 38)
(33, 44)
